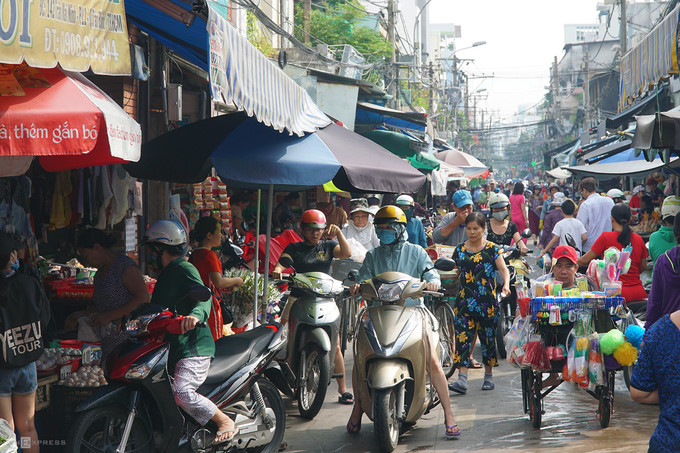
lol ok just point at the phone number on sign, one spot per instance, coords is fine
(73, 44)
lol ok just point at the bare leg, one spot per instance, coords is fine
(439, 381)
(355, 418)
(225, 426)
(339, 363)
(23, 411)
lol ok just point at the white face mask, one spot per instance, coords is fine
(500, 215)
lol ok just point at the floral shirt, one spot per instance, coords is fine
(478, 279)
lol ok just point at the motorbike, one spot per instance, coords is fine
(137, 412)
(519, 270)
(313, 326)
(390, 356)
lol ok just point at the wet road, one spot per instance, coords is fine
(490, 421)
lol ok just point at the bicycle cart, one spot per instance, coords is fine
(602, 311)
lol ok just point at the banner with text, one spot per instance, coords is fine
(77, 34)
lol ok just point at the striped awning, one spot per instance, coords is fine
(243, 76)
(654, 58)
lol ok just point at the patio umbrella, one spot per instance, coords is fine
(250, 154)
(400, 144)
(62, 118)
(472, 166)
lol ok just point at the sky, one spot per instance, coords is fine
(522, 39)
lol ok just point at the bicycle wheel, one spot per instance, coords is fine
(447, 337)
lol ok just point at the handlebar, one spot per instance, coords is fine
(434, 293)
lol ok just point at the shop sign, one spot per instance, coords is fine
(77, 34)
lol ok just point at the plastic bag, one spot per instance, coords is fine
(595, 361)
(86, 331)
(536, 357)
(569, 366)
(580, 371)
(10, 444)
(526, 332)
(358, 250)
(513, 336)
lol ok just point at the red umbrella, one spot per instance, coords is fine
(53, 114)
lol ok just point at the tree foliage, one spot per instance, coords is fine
(336, 23)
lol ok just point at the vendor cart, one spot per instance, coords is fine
(533, 392)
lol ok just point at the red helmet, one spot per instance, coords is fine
(313, 218)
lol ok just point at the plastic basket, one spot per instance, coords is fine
(64, 401)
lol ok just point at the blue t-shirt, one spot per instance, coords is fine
(658, 368)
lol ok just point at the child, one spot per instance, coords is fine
(570, 225)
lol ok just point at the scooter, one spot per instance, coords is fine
(313, 326)
(390, 354)
(137, 410)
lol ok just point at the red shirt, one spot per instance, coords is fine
(632, 286)
(206, 261)
(634, 202)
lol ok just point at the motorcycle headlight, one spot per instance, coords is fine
(391, 292)
(142, 370)
(139, 324)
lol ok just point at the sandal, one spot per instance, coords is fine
(455, 387)
(232, 432)
(451, 432)
(488, 385)
(353, 428)
(346, 398)
(475, 364)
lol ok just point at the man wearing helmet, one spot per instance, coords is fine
(315, 255)
(414, 227)
(398, 255)
(663, 239)
(192, 350)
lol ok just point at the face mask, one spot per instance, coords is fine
(387, 236)
(154, 261)
(14, 266)
(408, 212)
(500, 215)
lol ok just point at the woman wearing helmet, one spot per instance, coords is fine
(315, 255)
(396, 254)
(192, 350)
(414, 226)
(663, 239)
(500, 230)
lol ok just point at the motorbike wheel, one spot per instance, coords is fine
(447, 337)
(313, 389)
(273, 400)
(101, 430)
(385, 423)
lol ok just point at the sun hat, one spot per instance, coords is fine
(558, 199)
(359, 204)
(638, 189)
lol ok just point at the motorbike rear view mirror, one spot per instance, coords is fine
(200, 293)
(353, 275)
(570, 240)
(445, 264)
(286, 261)
(526, 233)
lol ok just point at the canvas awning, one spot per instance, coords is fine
(657, 131)
(627, 115)
(368, 113)
(654, 58)
(240, 75)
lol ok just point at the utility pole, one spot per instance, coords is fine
(556, 86)
(394, 74)
(623, 28)
(430, 109)
(307, 20)
(456, 90)
(586, 93)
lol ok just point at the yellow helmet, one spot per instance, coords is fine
(390, 214)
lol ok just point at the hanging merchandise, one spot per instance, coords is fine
(595, 366)
(211, 198)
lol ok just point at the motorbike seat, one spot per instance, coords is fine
(234, 351)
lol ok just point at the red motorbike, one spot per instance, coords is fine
(137, 410)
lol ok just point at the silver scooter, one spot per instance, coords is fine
(313, 325)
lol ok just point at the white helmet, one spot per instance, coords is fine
(165, 232)
(404, 200)
(498, 200)
(615, 193)
(670, 206)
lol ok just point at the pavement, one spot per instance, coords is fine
(490, 421)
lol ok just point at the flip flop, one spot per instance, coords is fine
(353, 428)
(475, 364)
(233, 433)
(455, 387)
(450, 433)
(488, 385)
(346, 398)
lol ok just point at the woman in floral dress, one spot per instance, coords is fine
(476, 305)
